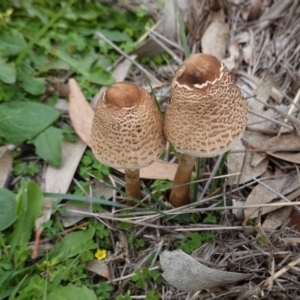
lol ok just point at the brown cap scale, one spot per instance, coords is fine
(206, 113)
(127, 131)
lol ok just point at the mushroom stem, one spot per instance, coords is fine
(132, 178)
(180, 194)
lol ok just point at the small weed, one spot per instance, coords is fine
(160, 187)
(123, 297)
(210, 218)
(68, 133)
(24, 169)
(153, 295)
(194, 240)
(104, 290)
(90, 165)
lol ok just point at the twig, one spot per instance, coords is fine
(152, 77)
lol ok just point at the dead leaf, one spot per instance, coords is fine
(276, 218)
(232, 62)
(6, 161)
(215, 38)
(263, 92)
(99, 267)
(261, 194)
(242, 160)
(252, 12)
(75, 212)
(186, 274)
(295, 219)
(81, 113)
(284, 143)
(57, 180)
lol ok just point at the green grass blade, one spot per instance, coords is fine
(182, 32)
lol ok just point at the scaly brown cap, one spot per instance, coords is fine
(206, 113)
(127, 130)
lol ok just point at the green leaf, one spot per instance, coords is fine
(96, 75)
(30, 200)
(8, 208)
(8, 72)
(48, 145)
(73, 244)
(22, 121)
(12, 43)
(32, 209)
(34, 86)
(72, 292)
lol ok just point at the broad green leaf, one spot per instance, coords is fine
(73, 244)
(48, 145)
(8, 208)
(72, 292)
(22, 121)
(32, 208)
(31, 84)
(7, 72)
(116, 35)
(34, 86)
(12, 43)
(98, 76)
(30, 200)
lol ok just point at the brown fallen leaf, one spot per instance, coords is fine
(82, 114)
(215, 38)
(252, 12)
(275, 93)
(284, 145)
(276, 218)
(262, 194)
(99, 267)
(242, 161)
(294, 219)
(57, 180)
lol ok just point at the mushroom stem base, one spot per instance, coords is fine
(180, 194)
(133, 188)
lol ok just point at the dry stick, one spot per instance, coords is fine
(153, 78)
(269, 119)
(165, 39)
(296, 99)
(213, 173)
(290, 118)
(281, 272)
(174, 56)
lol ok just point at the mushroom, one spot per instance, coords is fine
(205, 116)
(127, 132)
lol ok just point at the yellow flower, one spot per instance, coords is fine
(100, 254)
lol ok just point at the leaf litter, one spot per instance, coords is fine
(263, 50)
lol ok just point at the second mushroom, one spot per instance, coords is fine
(127, 132)
(205, 116)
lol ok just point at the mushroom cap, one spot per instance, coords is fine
(127, 129)
(206, 113)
